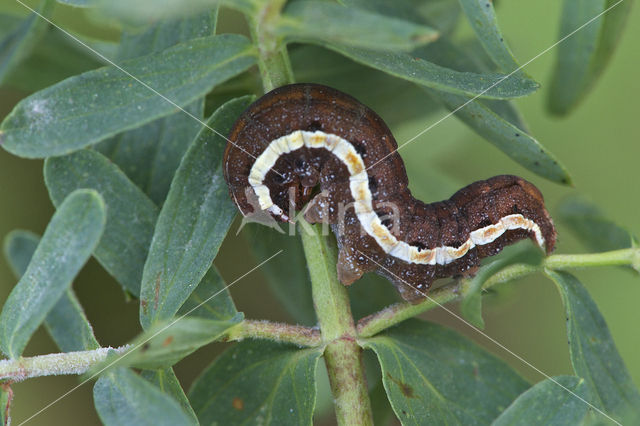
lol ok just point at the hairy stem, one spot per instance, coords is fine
(343, 356)
(397, 313)
(16, 370)
(298, 335)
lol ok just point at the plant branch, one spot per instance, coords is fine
(342, 355)
(16, 370)
(279, 332)
(273, 59)
(394, 314)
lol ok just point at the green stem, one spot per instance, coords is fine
(397, 313)
(296, 334)
(343, 356)
(16, 370)
(273, 60)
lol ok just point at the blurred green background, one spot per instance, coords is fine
(598, 143)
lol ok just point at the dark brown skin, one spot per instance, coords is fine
(315, 107)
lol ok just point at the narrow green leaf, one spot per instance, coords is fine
(287, 276)
(162, 35)
(395, 100)
(549, 403)
(168, 342)
(325, 22)
(518, 145)
(150, 154)
(192, 223)
(593, 353)
(497, 121)
(210, 299)
(471, 304)
(53, 59)
(166, 380)
(583, 56)
(428, 74)
(16, 46)
(77, 3)
(131, 216)
(143, 12)
(122, 397)
(66, 322)
(435, 376)
(258, 382)
(482, 18)
(591, 226)
(440, 14)
(70, 237)
(90, 107)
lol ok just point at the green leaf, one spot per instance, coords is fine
(258, 382)
(482, 18)
(122, 397)
(440, 14)
(54, 58)
(77, 3)
(428, 74)
(583, 56)
(593, 353)
(210, 299)
(434, 376)
(66, 322)
(131, 216)
(497, 121)
(168, 342)
(471, 304)
(162, 35)
(92, 106)
(143, 12)
(395, 100)
(591, 226)
(547, 403)
(325, 22)
(150, 154)
(167, 382)
(518, 145)
(287, 276)
(18, 44)
(192, 223)
(67, 243)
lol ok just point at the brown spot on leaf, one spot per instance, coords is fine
(145, 347)
(157, 295)
(167, 341)
(404, 388)
(238, 404)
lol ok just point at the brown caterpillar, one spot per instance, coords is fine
(301, 136)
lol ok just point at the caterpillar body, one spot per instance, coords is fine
(301, 137)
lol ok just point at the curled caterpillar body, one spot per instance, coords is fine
(301, 137)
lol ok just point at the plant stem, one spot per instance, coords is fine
(16, 370)
(399, 312)
(298, 335)
(273, 60)
(343, 356)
